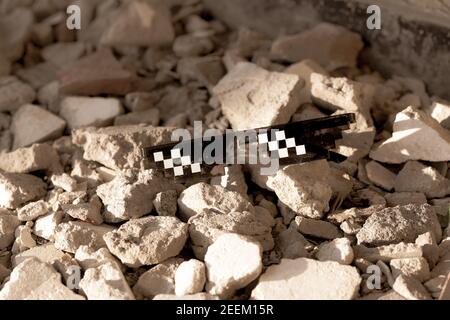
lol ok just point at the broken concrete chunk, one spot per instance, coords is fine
(19, 188)
(69, 236)
(207, 226)
(339, 250)
(126, 198)
(343, 94)
(14, 94)
(32, 210)
(158, 280)
(332, 46)
(105, 282)
(190, 278)
(233, 179)
(413, 131)
(416, 177)
(402, 223)
(232, 261)
(24, 239)
(82, 112)
(88, 257)
(380, 176)
(165, 203)
(63, 53)
(36, 280)
(33, 124)
(387, 253)
(88, 212)
(203, 197)
(304, 188)
(410, 288)
(95, 74)
(440, 111)
(34, 158)
(102, 145)
(304, 70)
(8, 225)
(64, 181)
(39, 75)
(292, 244)
(15, 28)
(45, 226)
(140, 23)
(404, 198)
(413, 267)
(149, 117)
(46, 253)
(147, 241)
(306, 279)
(252, 97)
(316, 228)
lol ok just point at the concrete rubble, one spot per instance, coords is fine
(246, 86)
(158, 238)
(77, 108)
(320, 43)
(399, 224)
(232, 262)
(308, 279)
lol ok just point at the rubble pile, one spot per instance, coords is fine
(83, 217)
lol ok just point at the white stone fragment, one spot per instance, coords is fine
(440, 111)
(416, 177)
(410, 288)
(202, 197)
(206, 227)
(252, 97)
(8, 225)
(33, 124)
(232, 262)
(89, 257)
(380, 176)
(304, 188)
(64, 181)
(14, 94)
(413, 131)
(100, 144)
(158, 280)
(306, 279)
(412, 267)
(45, 226)
(46, 253)
(19, 188)
(147, 241)
(69, 236)
(304, 70)
(36, 280)
(34, 158)
(339, 250)
(330, 45)
(140, 23)
(190, 277)
(105, 282)
(89, 112)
